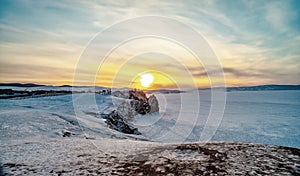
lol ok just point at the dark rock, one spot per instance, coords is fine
(116, 122)
(141, 107)
(10, 164)
(135, 102)
(140, 101)
(138, 95)
(66, 133)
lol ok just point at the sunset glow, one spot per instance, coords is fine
(260, 46)
(146, 79)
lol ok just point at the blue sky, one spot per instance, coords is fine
(257, 42)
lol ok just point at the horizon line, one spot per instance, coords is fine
(30, 84)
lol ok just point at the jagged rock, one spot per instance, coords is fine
(153, 104)
(140, 101)
(140, 107)
(126, 106)
(126, 110)
(116, 122)
(138, 95)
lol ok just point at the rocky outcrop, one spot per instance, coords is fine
(153, 104)
(137, 95)
(142, 104)
(127, 105)
(125, 109)
(116, 122)
(141, 107)
(135, 102)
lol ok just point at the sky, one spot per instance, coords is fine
(256, 42)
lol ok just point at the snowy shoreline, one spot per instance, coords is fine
(77, 156)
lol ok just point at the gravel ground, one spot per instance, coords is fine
(75, 156)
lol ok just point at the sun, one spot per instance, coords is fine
(146, 79)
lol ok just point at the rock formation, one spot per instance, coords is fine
(153, 104)
(139, 103)
(115, 121)
(125, 109)
(127, 105)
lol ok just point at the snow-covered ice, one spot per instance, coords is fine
(32, 129)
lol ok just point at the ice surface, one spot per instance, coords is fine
(32, 133)
(271, 117)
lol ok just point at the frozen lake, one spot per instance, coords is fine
(271, 117)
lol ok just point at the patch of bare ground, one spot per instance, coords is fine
(216, 158)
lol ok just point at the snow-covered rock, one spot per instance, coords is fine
(125, 109)
(115, 121)
(138, 103)
(127, 104)
(141, 107)
(138, 95)
(153, 102)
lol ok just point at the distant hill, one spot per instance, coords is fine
(28, 85)
(259, 88)
(20, 85)
(164, 91)
(65, 86)
(167, 91)
(264, 87)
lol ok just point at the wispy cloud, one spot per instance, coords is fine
(254, 40)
